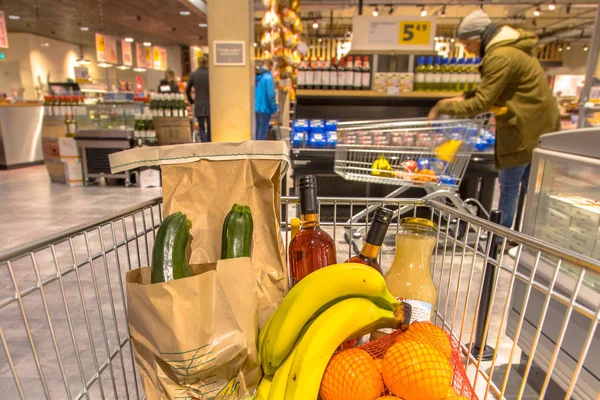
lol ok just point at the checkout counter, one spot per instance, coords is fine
(20, 135)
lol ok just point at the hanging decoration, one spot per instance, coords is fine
(283, 28)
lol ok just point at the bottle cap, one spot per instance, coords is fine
(438, 60)
(419, 222)
(307, 181)
(383, 214)
(453, 60)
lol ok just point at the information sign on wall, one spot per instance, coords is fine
(106, 49)
(393, 33)
(126, 54)
(229, 53)
(160, 58)
(143, 56)
(3, 35)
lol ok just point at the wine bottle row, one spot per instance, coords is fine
(347, 74)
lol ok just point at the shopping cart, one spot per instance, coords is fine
(64, 334)
(407, 153)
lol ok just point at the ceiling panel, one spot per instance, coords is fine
(145, 20)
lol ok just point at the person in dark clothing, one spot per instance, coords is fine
(169, 84)
(265, 102)
(201, 100)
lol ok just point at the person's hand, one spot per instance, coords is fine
(433, 113)
(450, 99)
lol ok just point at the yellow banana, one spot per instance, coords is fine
(262, 392)
(261, 337)
(375, 166)
(345, 320)
(280, 378)
(311, 295)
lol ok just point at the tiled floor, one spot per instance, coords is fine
(74, 315)
(33, 208)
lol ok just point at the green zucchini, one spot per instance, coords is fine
(169, 260)
(237, 233)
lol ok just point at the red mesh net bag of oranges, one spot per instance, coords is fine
(422, 363)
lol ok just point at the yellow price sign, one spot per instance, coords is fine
(415, 32)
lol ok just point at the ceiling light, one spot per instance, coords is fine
(147, 44)
(423, 12)
(203, 25)
(320, 40)
(184, 13)
(15, 17)
(552, 6)
(139, 69)
(443, 13)
(123, 67)
(585, 48)
(255, 44)
(315, 24)
(560, 48)
(45, 44)
(452, 40)
(391, 10)
(129, 40)
(568, 47)
(537, 11)
(376, 11)
(348, 33)
(82, 61)
(84, 28)
(104, 65)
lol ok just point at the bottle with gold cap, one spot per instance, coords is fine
(409, 278)
(370, 250)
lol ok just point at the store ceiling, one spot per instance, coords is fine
(571, 20)
(157, 21)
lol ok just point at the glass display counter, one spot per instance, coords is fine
(109, 116)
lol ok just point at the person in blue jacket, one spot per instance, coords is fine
(266, 105)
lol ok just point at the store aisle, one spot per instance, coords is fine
(33, 208)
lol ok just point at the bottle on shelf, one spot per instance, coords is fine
(318, 75)
(429, 70)
(312, 248)
(309, 74)
(302, 75)
(445, 76)
(453, 73)
(326, 75)
(375, 236)
(150, 132)
(366, 74)
(419, 82)
(167, 105)
(462, 75)
(477, 72)
(333, 74)
(341, 74)
(349, 82)
(357, 74)
(437, 75)
(409, 277)
(73, 127)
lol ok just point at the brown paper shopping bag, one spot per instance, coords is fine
(195, 337)
(204, 181)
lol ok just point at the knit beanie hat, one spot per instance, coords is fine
(473, 25)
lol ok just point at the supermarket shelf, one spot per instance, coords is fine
(373, 94)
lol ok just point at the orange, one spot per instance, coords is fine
(378, 362)
(388, 398)
(428, 333)
(351, 375)
(416, 370)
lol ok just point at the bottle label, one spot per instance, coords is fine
(333, 79)
(446, 77)
(437, 78)
(366, 79)
(420, 77)
(357, 79)
(168, 112)
(462, 78)
(454, 78)
(325, 78)
(341, 79)
(349, 78)
(309, 78)
(301, 78)
(429, 78)
(317, 78)
(421, 310)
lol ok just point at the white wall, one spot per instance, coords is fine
(574, 62)
(35, 61)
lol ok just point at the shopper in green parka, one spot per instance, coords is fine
(513, 80)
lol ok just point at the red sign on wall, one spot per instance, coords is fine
(3, 35)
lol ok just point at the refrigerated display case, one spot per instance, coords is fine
(562, 208)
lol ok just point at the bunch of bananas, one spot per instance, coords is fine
(324, 310)
(381, 167)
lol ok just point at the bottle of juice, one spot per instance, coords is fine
(419, 85)
(429, 71)
(409, 277)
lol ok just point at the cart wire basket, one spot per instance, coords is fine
(414, 152)
(64, 332)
